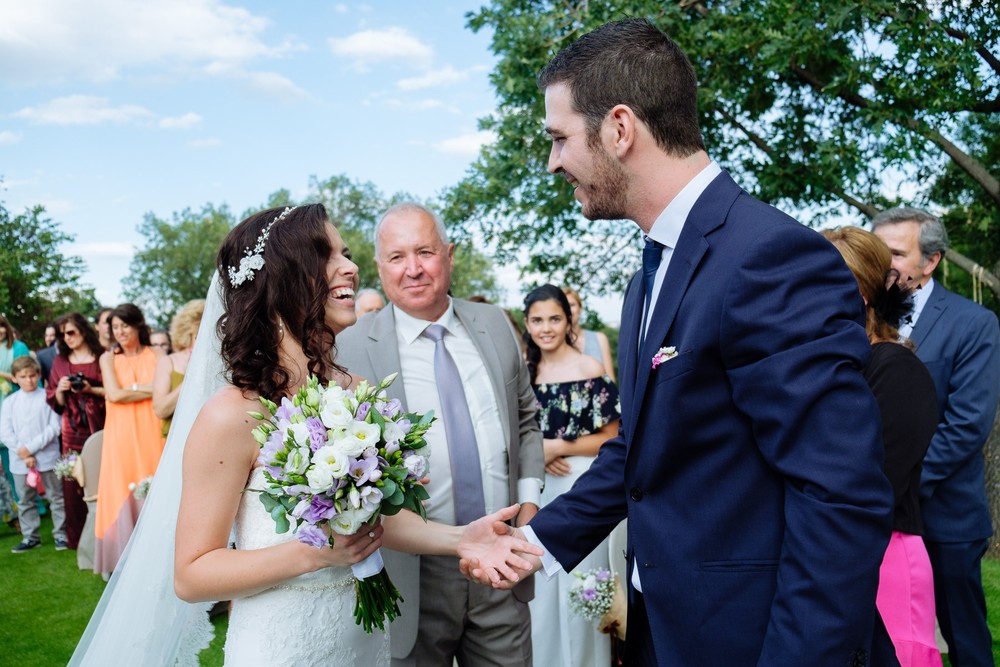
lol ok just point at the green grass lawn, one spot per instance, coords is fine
(46, 587)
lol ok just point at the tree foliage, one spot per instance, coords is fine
(37, 281)
(177, 261)
(817, 107)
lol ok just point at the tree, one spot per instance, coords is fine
(178, 260)
(818, 107)
(37, 281)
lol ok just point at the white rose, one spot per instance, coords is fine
(348, 521)
(299, 433)
(332, 458)
(335, 414)
(298, 460)
(416, 465)
(393, 433)
(320, 478)
(359, 437)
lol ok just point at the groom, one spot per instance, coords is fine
(749, 460)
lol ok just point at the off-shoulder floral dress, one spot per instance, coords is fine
(559, 638)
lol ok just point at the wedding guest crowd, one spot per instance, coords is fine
(171, 367)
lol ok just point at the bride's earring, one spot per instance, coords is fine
(281, 329)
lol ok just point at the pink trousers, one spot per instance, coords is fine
(906, 600)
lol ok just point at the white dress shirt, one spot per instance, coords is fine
(416, 361)
(920, 298)
(666, 229)
(27, 421)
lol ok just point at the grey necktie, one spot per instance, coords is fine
(466, 476)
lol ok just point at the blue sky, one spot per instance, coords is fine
(110, 109)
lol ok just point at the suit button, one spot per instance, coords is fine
(860, 659)
(636, 494)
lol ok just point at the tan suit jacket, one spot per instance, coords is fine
(369, 349)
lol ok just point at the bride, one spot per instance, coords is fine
(287, 286)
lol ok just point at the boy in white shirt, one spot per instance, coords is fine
(30, 429)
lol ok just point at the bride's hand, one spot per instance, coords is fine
(347, 549)
(500, 550)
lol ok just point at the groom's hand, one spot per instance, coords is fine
(499, 550)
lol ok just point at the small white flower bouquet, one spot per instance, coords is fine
(596, 596)
(63, 467)
(140, 489)
(335, 460)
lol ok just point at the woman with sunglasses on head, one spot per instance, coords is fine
(76, 391)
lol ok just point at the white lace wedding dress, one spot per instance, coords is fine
(308, 620)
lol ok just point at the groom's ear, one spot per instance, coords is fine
(621, 130)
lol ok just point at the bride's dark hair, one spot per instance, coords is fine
(284, 297)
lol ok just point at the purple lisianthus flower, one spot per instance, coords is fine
(371, 498)
(404, 425)
(362, 469)
(589, 594)
(270, 448)
(362, 412)
(390, 408)
(603, 575)
(285, 410)
(313, 536)
(415, 464)
(320, 508)
(317, 432)
(391, 448)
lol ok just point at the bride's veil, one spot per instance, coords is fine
(139, 620)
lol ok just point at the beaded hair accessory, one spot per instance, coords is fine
(253, 258)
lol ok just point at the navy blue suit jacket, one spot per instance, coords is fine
(750, 465)
(959, 342)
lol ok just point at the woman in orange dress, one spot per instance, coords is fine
(132, 439)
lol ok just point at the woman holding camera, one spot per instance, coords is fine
(76, 391)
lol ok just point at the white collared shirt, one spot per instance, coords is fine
(667, 227)
(920, 299)
(416, 361)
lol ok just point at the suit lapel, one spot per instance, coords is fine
(628, 339)
(708, 213)
(383, 353)
(929, 315)
(488, 353)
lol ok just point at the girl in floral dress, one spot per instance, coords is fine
(577, 411)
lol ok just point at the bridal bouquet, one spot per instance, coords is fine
(334, 461)
(597, 596)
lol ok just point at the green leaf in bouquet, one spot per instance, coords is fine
(388, 488)
(281, 524)
(375, 417)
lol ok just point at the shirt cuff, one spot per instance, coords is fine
(550, 566)
(529, 490)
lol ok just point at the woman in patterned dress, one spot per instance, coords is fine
(577, 411)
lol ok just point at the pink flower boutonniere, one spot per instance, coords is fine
(664, 354)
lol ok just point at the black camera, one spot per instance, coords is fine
(76, 381)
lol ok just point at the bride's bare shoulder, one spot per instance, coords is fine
(227, 408)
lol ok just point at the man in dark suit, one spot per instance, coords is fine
(959, 342)
(444, 617)
(749, 460)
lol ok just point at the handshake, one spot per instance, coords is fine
(493, 553)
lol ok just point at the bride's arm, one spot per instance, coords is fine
(486, 540)
(218, 458)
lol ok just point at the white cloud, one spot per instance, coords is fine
(340, 8)
(425, 104)
(185, 122)
(271, 84)
(82, 110)
(389, 44)
(54, 40)
(438, 77)
(8, 137)
(204, 143)
(102, 250)
(466, 144)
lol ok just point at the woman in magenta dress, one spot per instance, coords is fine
(908, 405)
(76, 392)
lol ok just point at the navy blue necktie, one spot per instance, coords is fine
(652, 253)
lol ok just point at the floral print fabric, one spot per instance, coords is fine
(568, 410)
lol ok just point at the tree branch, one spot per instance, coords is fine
(976, 171)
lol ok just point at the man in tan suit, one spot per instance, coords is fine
(444, 617)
